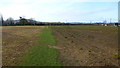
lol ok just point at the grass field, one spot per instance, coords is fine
(60, 46)
(42, 55)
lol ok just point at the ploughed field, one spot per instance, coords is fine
(60, 46)
(16, 40)
(87, 45)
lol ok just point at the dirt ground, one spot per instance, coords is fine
(16, 40)
(87, 46)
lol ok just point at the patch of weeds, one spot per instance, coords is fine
(89, 36)
(95, 57)
(72, 36)
(71, 41)
(77, 60)
(118, 49)
(90, 50)
(66, 37)
(117, 55)
(81, 48)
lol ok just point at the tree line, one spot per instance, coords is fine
(23, 21)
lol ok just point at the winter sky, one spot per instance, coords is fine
(61, 10)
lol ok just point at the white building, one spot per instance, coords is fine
(119, 12)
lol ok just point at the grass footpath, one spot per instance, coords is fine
(41, 55)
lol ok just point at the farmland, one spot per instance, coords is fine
(60, 45)
(16, 40)
(87, 45)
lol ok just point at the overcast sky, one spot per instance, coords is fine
(61, 10)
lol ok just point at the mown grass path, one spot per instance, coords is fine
(42, 55)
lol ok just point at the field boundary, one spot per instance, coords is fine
(42, 55)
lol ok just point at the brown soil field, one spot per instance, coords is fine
(16, 40)
(87, 46)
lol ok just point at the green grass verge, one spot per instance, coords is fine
(41, 55)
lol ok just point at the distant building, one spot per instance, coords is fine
(119, 12)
